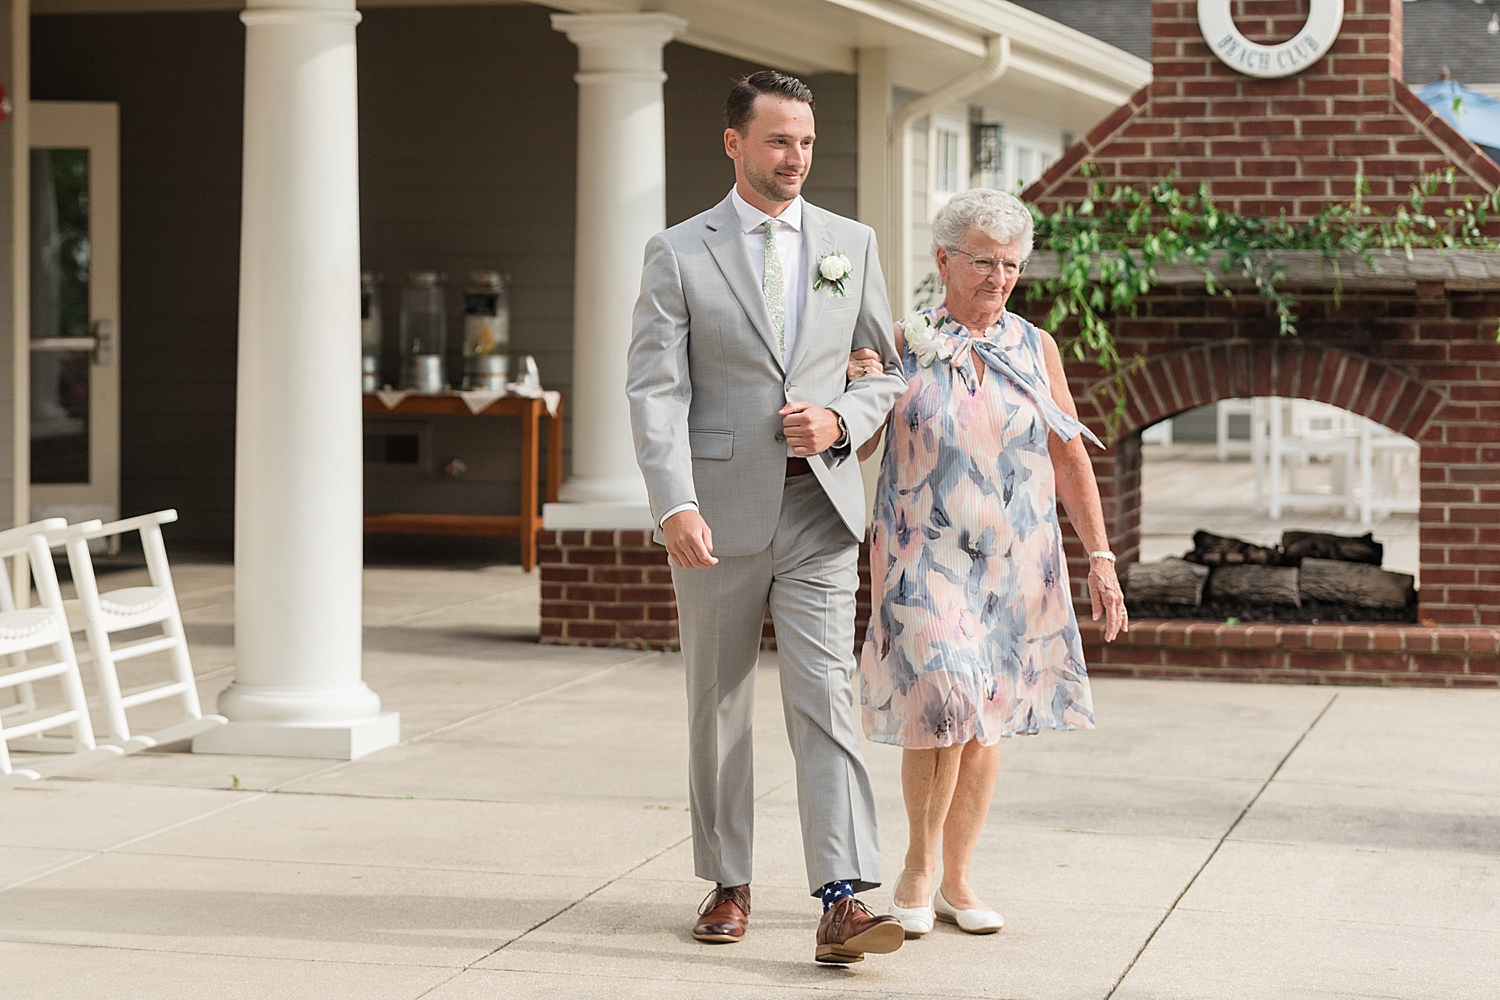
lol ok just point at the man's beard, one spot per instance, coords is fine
(767, 185)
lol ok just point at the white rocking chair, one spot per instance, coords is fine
(99, 616)
(44, 627)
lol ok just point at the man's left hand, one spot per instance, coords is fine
(809, 429)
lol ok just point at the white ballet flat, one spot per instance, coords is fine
(915, 920)
(968, 921)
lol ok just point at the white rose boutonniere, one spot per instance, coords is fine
(834, 269)
(921, 339)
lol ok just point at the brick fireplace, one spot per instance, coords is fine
(1412, 347)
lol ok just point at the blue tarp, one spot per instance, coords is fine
(1477, 116)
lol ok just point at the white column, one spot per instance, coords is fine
(622, 202)
(298, 476)
(874, 115)
(875, 211)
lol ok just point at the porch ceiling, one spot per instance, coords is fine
(1053, 67)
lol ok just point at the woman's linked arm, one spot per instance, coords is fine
(863, 363)
(1079, 492)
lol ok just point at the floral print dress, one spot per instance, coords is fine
(973, 634)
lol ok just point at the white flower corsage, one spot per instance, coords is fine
(834, 268)
(922, 340)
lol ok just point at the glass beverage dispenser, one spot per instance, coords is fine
(424, 332)
(369, 331)
(486, 332)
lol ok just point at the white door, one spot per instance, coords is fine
(75, 310)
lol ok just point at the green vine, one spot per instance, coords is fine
(1110, 245)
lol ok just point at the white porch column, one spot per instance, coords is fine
(875, 193)
(622, 184)
(298, 493)
(874, 116)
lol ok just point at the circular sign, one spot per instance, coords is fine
(1270, 61)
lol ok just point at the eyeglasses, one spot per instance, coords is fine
(987, 265)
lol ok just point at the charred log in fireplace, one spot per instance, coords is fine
(1308, 577)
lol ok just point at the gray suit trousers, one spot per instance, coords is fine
(807, 576)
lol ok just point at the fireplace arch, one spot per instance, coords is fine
(1421, 359)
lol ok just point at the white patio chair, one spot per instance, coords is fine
(1385, 448)
(100, 616)
(42, 628)
(1258, 409)
(1302, 430)
(1223, 410)
(1158, 433)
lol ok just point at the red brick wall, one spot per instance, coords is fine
(1267, 146)
(606, 588)
(614, 588)
(1425, 365)
(1387, 655)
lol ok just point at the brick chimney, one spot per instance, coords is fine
(1265, 146)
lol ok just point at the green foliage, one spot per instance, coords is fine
(1110, 245)
(929, 291)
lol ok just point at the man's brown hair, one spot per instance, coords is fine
(740, 108)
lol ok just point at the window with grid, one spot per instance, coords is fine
(945, 161)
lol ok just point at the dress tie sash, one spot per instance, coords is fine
(1057, 419)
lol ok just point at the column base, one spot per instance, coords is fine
(594, 489)
(610, 516)
(335, 740)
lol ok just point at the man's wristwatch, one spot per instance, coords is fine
(843, 440)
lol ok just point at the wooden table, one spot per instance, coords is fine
(524, 525)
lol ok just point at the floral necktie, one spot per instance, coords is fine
(773, 287)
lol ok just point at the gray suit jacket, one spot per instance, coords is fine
(706, 379)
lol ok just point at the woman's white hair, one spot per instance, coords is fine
(1002, 217)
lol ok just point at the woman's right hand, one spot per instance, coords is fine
(863, 363)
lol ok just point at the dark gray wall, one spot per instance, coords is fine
(468, 153)
(178, 80)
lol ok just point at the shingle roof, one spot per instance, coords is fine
(1438, 33)
(1451, 33)
(1125, 24)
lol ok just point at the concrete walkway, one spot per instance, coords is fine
(530, 839)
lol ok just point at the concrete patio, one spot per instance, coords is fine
(529, 838)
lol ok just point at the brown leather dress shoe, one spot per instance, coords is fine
(723, 915)
(848, 930)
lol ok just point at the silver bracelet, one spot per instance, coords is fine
(1106, 554)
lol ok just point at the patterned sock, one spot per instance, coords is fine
(835, 891)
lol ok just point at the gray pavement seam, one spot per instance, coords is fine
(417, 616)
(598, 889)
(1218, 844)
(252, 797)
(881, 990)
(277, 788)
(330, 769)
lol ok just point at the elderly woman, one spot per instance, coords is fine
(973, 636)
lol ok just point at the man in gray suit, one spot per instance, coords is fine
(744, 428)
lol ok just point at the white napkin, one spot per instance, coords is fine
(478, 399)
(392, 397)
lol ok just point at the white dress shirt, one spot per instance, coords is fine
(788, 248)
